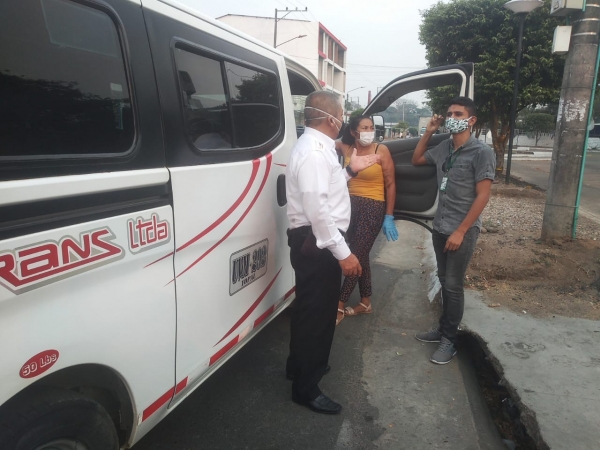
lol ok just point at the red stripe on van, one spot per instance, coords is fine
(251, 309)
(214, 358)
(226, 214)
(157, 404)
(220, 241)
(282, 165)
(290, 292)
(181, 385)
(264, 315)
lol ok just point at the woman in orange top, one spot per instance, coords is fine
(372, 198)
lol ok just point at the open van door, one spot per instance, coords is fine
(416, 186)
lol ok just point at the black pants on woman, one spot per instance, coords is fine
(365, 224)
(318, 279)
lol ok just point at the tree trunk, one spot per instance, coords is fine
(537, 137)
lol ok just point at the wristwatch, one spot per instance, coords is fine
(350, 172)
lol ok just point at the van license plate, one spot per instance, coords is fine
(247, 265)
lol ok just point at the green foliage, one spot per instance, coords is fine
(413, 131)
(485, 33)
(357, 112)
(538, 123)
(402, 125)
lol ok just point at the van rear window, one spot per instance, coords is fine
(226, 105)
(63, 84)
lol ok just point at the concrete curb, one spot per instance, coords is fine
(550, 367)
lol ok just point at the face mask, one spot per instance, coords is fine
(340, 128)
(366, 137)
(457, 126)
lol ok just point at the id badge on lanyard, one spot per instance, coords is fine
(444, 183)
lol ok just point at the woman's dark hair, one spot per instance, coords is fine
(347, 138)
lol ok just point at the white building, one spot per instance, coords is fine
(320, 51)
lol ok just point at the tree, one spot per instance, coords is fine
(357, 112)
(403, 126)
(538, 123)
(413, 131)
(485, 33)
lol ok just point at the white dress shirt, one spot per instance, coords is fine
(317, 191)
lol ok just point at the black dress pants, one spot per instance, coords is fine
(318, 281)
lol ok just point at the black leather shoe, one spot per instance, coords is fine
(322, 404)
(290, 376)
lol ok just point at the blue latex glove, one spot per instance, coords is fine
(389, 228)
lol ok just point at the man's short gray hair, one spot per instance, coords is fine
(323, 100)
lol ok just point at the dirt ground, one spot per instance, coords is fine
(521, 273)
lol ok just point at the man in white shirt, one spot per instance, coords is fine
(319, 213)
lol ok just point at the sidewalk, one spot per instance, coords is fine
(420, 405)
(551, 365)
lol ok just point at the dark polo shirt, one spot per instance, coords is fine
(475, 162)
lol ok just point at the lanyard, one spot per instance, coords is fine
(447, 166)
(451, 159)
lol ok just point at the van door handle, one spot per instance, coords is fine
(281, 195)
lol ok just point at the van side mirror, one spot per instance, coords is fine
(379, 124)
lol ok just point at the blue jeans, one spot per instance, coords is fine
(451, 267)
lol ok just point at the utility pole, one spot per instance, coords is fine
(572, 124)
(286, 11)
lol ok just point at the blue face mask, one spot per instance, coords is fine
(455, 126)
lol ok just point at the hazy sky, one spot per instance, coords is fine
(381, 35)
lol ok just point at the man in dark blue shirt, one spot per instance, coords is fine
(465, 171)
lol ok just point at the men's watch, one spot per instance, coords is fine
(350, 171)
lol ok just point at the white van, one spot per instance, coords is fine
(142, 209)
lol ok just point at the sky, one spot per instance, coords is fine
(382, 36)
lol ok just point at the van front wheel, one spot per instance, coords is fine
(56, 419)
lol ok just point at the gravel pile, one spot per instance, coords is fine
(522, 209)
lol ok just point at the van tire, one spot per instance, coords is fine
(48, 414)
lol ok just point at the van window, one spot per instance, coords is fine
(255, 105)
(300, 88)
(205, 108)
(63, 83)
(226, 105)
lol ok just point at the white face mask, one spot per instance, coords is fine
(366, 137)
(324, 112)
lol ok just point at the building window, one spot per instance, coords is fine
(227, 106)
(63, 83)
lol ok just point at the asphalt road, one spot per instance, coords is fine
(537, 172)
(393, 397)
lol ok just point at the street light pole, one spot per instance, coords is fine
(521, 8)
(513, 106)
(286, 11)
(348, 98)
(297, 37)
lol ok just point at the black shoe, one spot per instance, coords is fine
(322, 404)
(290, 376)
